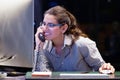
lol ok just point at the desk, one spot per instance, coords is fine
(13, 78)
(91, 75)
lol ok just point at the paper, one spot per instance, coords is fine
(41, 74)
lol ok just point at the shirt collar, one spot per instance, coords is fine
(68, 40)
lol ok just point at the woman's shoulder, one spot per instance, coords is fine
(83, 41)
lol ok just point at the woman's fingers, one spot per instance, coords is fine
(38, 42)
(107, 66)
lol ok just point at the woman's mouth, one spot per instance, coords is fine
(46, 34)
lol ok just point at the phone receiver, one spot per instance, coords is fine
(41, 37)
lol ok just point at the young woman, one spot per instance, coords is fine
(66, 47)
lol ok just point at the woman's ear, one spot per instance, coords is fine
(64, 28)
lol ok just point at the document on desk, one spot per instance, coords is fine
(86, 75)
(41, 74)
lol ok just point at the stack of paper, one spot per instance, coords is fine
(41, 74)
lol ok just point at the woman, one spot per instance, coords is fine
(66, 47)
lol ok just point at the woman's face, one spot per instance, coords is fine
(51, 28)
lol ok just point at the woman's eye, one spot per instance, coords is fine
(51, 25)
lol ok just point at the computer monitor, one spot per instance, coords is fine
(16, 33)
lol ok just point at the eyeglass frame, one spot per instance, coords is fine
(50, 25)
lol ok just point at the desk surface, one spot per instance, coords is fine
(75, 75)
(13, 78)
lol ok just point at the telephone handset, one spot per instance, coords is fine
(41, 37)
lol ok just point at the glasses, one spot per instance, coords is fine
(50, 24)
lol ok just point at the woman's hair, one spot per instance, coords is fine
(65, 17)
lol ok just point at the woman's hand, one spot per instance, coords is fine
(107, 68)
(39, 43)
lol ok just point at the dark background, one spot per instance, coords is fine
(99, 19)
